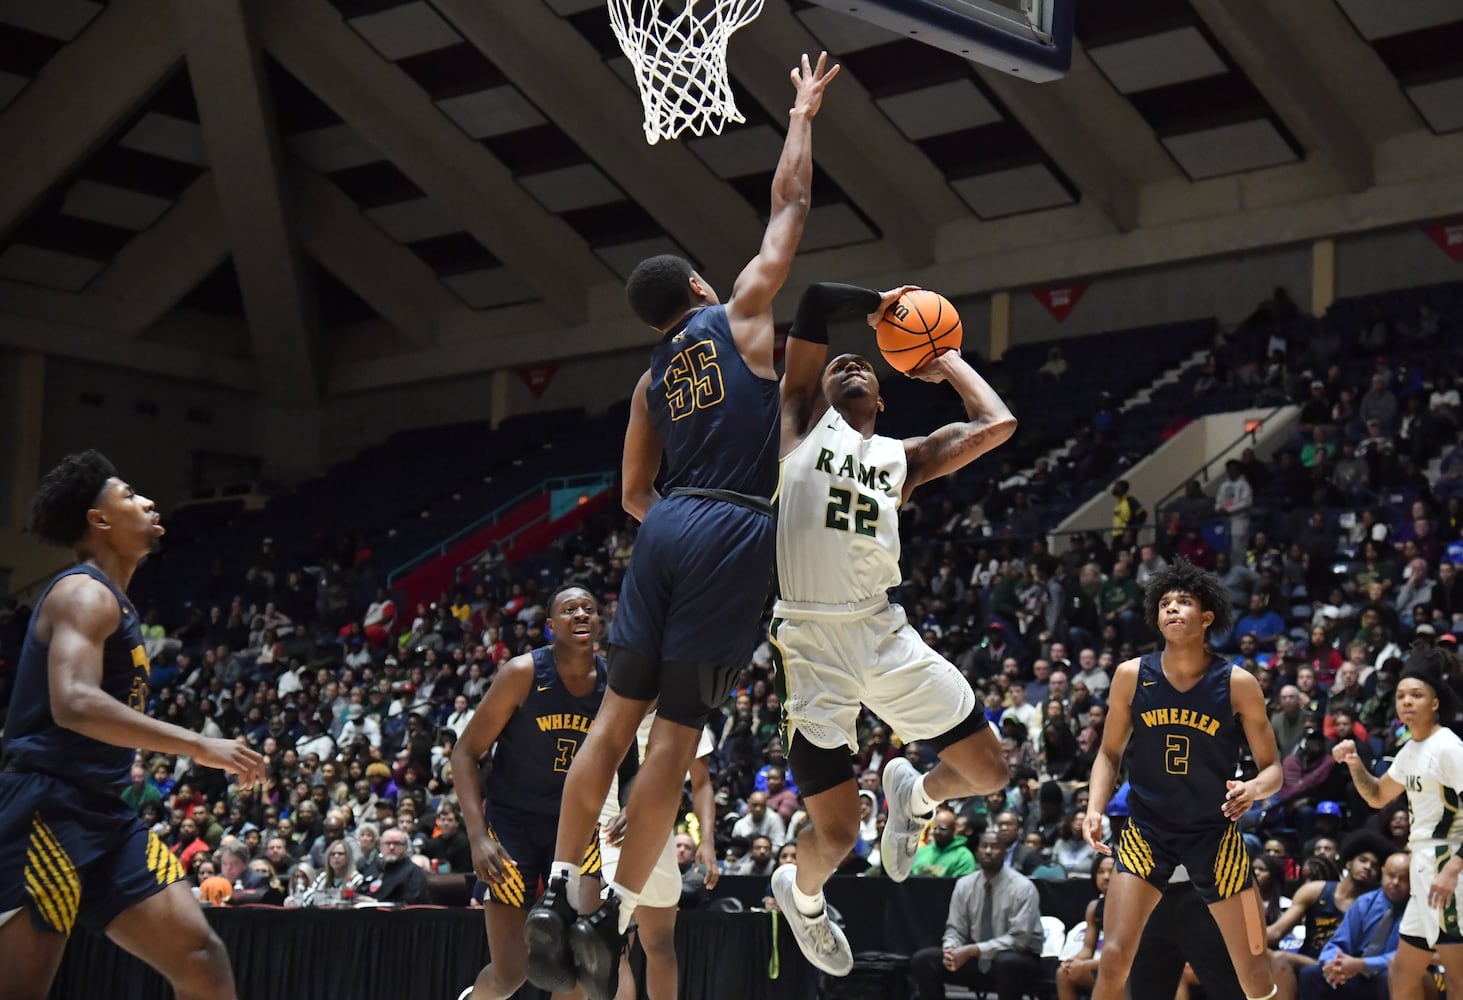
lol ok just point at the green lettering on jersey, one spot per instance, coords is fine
(825, 461)
(866, 475)
(846, 469)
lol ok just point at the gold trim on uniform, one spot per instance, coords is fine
(163, 863)
(1231, 863)
(1134, 852)
(593, 862)
(51, 879)
(510, 891)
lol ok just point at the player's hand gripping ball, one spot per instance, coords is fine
(919, 326)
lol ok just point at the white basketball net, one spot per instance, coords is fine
(680, 61)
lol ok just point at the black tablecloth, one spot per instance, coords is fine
(426, 953)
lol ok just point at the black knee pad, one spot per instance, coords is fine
(973, 723)
(690, 690)
(633, 675)
(817, 769)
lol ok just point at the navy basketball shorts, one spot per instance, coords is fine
(1215, 856)
(693, 595)
(529, 840)
(75, 856)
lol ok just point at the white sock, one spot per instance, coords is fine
(808, 906)
(921, 804)
(570, 870)
(628, 901)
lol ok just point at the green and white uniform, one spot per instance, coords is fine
(839, 640)
(1432, 772)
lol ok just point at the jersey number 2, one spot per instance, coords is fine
(1176, 759)
(865, 516)
(693, 380)
(566, 756)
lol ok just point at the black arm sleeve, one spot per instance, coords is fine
(826, 301)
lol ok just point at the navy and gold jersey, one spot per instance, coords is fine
(34, 741)
(717, 420)
(539, 742)
(1323, 919)
(1185, 746)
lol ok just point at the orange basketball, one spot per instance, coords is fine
(919, 326)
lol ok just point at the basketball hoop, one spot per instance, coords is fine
(680, 61)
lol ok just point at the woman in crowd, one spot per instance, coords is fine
(1077, 974)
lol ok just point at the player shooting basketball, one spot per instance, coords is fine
(839, 642)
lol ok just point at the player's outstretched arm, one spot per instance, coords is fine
(508, 690)
(1248, 702)
(989, 423)
(1115, 735)
(84, 613)
(641, 461)
(822, 303)
(750, 307)
(1375, 792)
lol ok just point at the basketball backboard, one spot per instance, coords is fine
(1030, 39)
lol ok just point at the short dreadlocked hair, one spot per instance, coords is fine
(58, 510)
(1183, 577)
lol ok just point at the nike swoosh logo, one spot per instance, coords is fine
(831, 427)
(545, 687)
(1149, 684)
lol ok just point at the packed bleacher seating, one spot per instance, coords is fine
(275, 625)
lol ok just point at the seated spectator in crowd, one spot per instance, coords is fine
(1077, 974)
(759, 860)
(338, 883)
(761, 821)
(993, 934)
(449, 850)
(1289, 721)
(1354, 963)
(399, 879)
(140, 790)
(945, 854)
(693, 872)
(1262, 622)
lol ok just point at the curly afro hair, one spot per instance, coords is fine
(1183, 577)
(58, 511)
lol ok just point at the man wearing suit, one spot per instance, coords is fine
(1019, 855)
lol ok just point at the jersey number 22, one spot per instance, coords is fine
(865, 514)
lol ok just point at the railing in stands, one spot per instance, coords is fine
(1251, 431)
(441, 548)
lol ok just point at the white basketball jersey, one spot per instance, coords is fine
(1432, 773)
(838, 515)
(611, 807)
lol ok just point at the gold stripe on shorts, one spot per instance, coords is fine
(51, 879)
(1231, 862)
(1133, 851)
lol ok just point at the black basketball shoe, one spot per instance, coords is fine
(597, 945)
(550, 964)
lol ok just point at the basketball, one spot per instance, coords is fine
(921, 325)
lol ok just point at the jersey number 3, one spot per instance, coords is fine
(865, 515)
(1176, 756)
(567, 749)
(693, 380)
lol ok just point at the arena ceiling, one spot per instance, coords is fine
(310, 197)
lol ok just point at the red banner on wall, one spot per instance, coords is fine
(1060, 300)
(538, 377)
(1449, 238)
